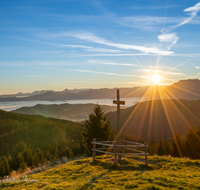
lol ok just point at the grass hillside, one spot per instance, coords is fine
(158, 119)
(161, 173)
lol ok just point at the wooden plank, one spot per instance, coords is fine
(146, 159)
(102, 144)
(118, 102)
(115, 153)
(94, 147)
(135, 150)
(103, 151)
(136, 154)
(107, 141)
(134, 143)
(133, 154)
(105, 148)
(137, 146)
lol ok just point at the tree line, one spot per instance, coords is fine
(180, 146)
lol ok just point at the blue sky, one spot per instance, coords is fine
(58, 44)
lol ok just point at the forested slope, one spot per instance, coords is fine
(158, 119)
(23, 137)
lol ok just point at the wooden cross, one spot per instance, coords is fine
(118, 102)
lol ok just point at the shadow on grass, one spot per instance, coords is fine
(124, 164)
(93, 180)
(78, 170)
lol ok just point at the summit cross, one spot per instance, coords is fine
(118, 102)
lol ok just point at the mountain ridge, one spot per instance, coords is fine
(184, 89)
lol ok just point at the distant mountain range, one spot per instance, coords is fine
(158, 119)
(41, 92)
(184, 89)
(73, 112)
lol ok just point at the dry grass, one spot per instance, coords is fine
(163, 173)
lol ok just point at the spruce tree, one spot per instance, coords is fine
(2, 169)
(97, 126)
(177, 146)
(30, 160)
(36, 159)
(7, 167)
(192, 142)
(20, 158)
(22, 166)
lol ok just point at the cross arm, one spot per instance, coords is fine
(118, 102)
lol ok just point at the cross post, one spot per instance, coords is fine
(118, 102)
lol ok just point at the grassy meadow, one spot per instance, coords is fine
(131, 173)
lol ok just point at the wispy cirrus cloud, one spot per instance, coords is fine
(192, 11)
(130, 54)
(106, 73)
(93, 49)
(104, 62)
(149, 23)
(169, 38)
(197, 67)
(153, 7)
(85, 48)
(163, 72)
(161, 67)
(88, 36)
(172, 38)
(35, 76)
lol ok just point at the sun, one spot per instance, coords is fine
(155, 78)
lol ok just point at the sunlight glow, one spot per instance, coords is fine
(155, 78)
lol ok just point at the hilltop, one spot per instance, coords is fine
(158, 119)
(131, 173)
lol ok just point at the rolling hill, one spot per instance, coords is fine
(73, 112)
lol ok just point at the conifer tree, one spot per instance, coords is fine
(56, 157)
(160, 150)
(71, 153)
(30, 160)
(36, 159)
(97, 126)
(22, 166)
(2, 169)
(168, 147)
(192, 142)
(7, 167)
(177, 146)
(20, 158)
(10, 161)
